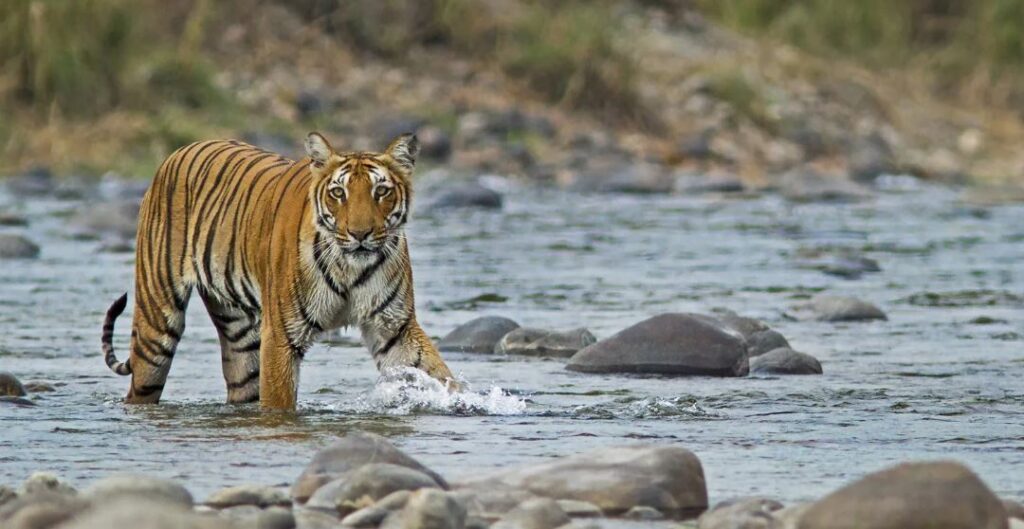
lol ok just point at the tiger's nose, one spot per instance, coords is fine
(359, 235)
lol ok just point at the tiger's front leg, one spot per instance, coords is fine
(279, 363)
(405, 345)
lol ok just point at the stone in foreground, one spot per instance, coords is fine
(349, 453)
(139, 486)
(541, 342)
(930, 495)
(825, 307)
(668, 344)
(138, 513)
(368, 484)
(785, 361)
(747, 513)
(258, 495)
(428, 509)
(479, 335)
(538, 513)
(667, 478)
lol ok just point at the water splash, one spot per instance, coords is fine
(408, 391)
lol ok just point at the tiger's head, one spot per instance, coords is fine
(361, 199)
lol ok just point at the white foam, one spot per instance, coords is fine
(407, 391)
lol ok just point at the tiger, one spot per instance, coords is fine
(279, 251)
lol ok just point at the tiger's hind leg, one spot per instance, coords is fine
(239, 334)
(157, 324)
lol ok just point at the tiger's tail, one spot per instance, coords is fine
(115, 310)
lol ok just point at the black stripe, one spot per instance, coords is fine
(387, 301)
(255, 375)
(324, 272)
(239, 335)
(365, 276)
(419, 358)
(394, 339)
(250, 348)
(147, 390)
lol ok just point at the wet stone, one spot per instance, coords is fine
(538, 513)
(696, 184)
(10, 386)
(542, 342)
(258, 495)
(112, 220)
(747, 513)
(368, 483)
(580, 509)
(428, 509)
(17, 247)
(785, 361)
(479, 335)
(760, 337)
(927, 495)
(349, 453)
(46, 482)
(37, 386)
(146, 513)
(824, 307)
(139, 486)
(668, 344)
(40, 510)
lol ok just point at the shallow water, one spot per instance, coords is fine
(943, 378)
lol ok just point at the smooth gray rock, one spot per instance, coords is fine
(373, 515)
(668, 478)
(45, 482)
(805, 185)
(314, 519)
(669, 344)
(37, 386)
(489, 501)
(747, 513)
(478, 335)
(17, 247)
(464, 195)
(542, 342)
(824, 307)
(248, 494)
(785, 361)
(276, 518)
(139, 486)
(538, 513)
(643, 512)
(40, 510)
(925, 495)
(117, 220)
(760, 337)
(349, 453)
(428, 509)
(10, 386)
(580, 509)
(369, 482)
(145, 513)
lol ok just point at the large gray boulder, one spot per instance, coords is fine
(368, 483)
(929, 495)
(667, 478)
(785, 361)
(138, 513)
(138, 486)
(538, 513)
(478, 335)
(542, 342)
(428, 509)
(669, 344)
(40, 510)
(350, 453)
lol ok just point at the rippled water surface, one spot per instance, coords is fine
(943, 378)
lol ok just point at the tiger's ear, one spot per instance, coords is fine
(404, 149)
(318, 149)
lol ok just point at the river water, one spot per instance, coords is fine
(942, 378)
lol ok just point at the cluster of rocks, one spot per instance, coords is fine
(363, 481)
(500, 335)
(14, 393)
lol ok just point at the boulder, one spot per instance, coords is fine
(785, 361)
(38, 386)
(747, 513)
(479, 335)
(366, 485)
(643, 512)
(10, 386)
(349, 453)
(428, 509)
(464, 195)
(805, 185)
(258, 495)
(12, 219)
(110, 220)
(824, 307)
(760, 338)
(490, 501)
(140, 487)
(669, 344)
(40, 510)
(139, 513)
(373, 515)
(46, 482)
(541, 342)
(314, 519)
(17, 247)
(668, 478)
(538, 513)
(926, 495)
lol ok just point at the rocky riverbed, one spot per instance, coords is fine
(659, 331)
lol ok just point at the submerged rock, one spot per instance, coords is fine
(825, 307)
(140, 487)
(541, 342)
(350, 453)
(667, 478)
(368, 483)
(929, 495)
(670, 344)
(538, 513)
(17, 247)
(785, 361)
(479, 335)
(10, 385)
(258, 495)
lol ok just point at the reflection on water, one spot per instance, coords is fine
(940, 379)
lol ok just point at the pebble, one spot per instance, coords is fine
(36, 386)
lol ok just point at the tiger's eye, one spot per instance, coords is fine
(337, 193)
(381, 192)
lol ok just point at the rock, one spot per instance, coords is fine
(1013, 509)
(276, 518)
(138, 486)
(428, 509)
(643, 512)
(668, 478)
(116, 220)
(541, 342)
(349, 453)
(760, 338)
(138, 513)
(749, 513)
(36, 386)
(10, 219)
(670, 344)
(40, 510)
(810, 186)
(580, 509)
(435, 144)
(309, 104)
(36, 181)
(478, 335)
(824, 307)
(696, 184)
(928, 495)
(463, 195)
(374, 514)
(6, 494)
(367, 484)
(785, 361)
(117, 246)
(844, 263)
(258, 495)
(789, 517)
(538, 513)
(1015, 523)
(17, 247)
(490, 501)
(16, 401)
(10, 385)
(314, 519)
(870, 158)
(46, 482)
